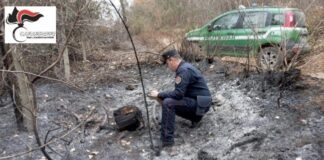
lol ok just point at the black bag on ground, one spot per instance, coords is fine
(128, 118)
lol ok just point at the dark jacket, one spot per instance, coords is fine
(189, 82)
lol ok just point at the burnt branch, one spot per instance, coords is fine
(106, 117)
(45, 77)
(48, 132)
(54, 139)
(45, 140)
(253, 138)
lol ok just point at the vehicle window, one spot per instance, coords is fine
(255, 19)
(299, 18)
(278, 19)
(226, 22)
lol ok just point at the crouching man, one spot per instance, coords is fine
(190, 99)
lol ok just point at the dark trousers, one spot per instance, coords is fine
(185, 108)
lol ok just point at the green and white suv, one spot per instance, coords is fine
(274, 35)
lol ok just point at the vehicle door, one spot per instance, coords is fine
(252, 31)
(221, 33)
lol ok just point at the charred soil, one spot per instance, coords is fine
(259, 116)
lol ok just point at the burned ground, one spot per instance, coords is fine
(246, 122)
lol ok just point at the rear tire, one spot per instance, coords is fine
(270, 59)
(191, 51)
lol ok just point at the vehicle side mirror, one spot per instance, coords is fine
(210, 28)
(214, 27)
(218, 27)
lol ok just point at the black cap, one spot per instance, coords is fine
(166, 55)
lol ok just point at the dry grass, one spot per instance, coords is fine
(314, 66)
(241, 60)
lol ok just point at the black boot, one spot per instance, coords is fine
(161, 145)
(167, 144)
(195, 124)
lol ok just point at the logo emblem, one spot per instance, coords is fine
(178, 80)
(19, 17)
(30, 24)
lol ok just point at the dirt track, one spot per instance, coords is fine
(247, 123)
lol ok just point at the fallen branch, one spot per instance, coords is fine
(105, 119)
(149, 52)
(48, 132)
(45, 77)
(52, 141)
(48, 146)
(165, 47)
(251, 139)
(45, 140)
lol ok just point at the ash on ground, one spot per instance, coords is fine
(252, 118)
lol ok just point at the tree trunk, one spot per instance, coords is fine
(66, 60)
(23, 94)
(67, 70)
(123, 5)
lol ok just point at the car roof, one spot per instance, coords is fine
(268, 9)
(257, 9)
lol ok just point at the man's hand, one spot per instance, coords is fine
(153, 94)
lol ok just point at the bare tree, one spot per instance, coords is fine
(63, 16)
(22, 89)
(23, 93)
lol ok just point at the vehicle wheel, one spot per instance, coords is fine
(270, 58)
(191, 51)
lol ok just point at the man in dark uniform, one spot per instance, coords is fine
(190, 99)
